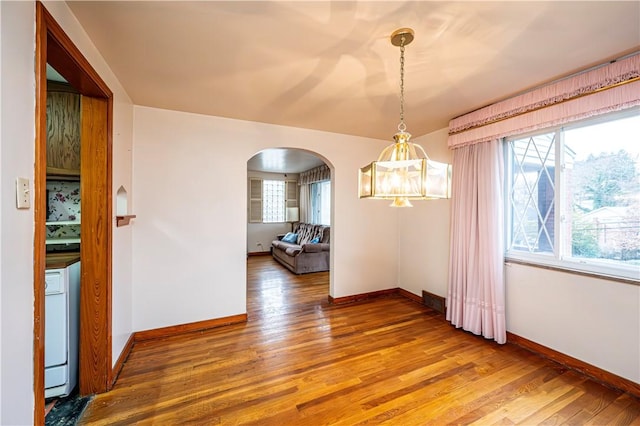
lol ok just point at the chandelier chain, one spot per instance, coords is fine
(402, 127)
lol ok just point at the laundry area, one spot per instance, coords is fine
(63, 273)
(62, 314)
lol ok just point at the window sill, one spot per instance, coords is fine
(509, 260)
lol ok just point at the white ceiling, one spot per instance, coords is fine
(329, 65)
(283, 160)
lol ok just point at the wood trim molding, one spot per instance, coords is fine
(596, 373)
(163, 332)
(176, 330)
(380, 293)
(259, 253)
(117, 368)
(95, 250)
(108, 209)
(375, 294)
(54, 47)
(40, 185)
(66, 58)
(407, 294)
(362, 296)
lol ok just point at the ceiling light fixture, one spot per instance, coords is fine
(403, 171)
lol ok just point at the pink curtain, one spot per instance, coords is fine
(610, 87)
(476, 296)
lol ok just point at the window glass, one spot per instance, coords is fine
(573, 196)
(321, 203)
(532, 193)
(325, 203)
(273, 201)
(603, 203)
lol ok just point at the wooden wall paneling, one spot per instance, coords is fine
(95, 355)
(63, 130)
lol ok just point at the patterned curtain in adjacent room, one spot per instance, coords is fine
(305, 203)
(317, 174)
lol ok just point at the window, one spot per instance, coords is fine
(268, 199)
(573, 196)
(273, 203)
(321, 203)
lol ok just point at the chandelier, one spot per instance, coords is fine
(403, 171)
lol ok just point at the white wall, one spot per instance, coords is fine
(264, 233)
(594, 320)
(17, 148)
(423, 247)
(191, 232)
(122, 164)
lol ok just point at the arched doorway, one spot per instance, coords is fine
(275, 171)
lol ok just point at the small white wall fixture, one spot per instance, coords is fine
(122, 210)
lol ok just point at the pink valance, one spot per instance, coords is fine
(608, 88)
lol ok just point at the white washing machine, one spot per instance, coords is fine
(62, 313)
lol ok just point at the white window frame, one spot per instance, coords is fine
(559, 259)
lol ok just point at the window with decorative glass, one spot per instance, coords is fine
(268, 199)
(273, 201)
(573, 196)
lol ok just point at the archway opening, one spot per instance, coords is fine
(290, 204)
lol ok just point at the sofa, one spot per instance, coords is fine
(304, 250)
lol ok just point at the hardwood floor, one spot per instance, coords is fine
(300, 361)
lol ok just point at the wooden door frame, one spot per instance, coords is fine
(53, 46)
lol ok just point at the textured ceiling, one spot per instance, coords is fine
(330, 65)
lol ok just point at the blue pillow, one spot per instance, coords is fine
(290, 238)
(316, 240)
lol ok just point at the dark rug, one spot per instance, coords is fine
(67, 411)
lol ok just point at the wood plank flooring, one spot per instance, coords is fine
(301, 361)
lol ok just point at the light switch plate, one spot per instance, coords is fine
(23, 197)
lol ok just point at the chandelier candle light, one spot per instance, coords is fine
(403, 171)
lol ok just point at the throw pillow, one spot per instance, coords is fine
(290, 238)
(316, 240)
